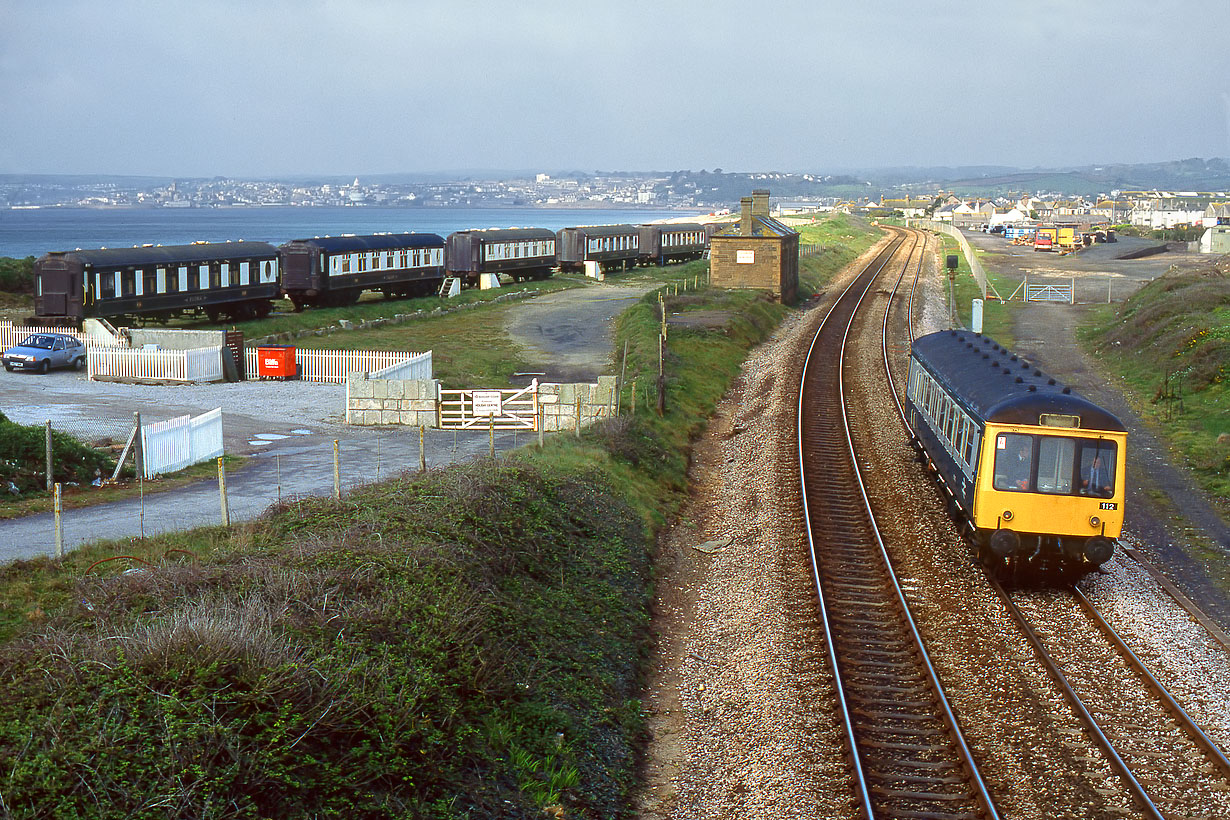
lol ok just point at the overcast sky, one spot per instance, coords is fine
(265, 88)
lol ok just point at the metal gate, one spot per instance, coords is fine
(515, 409)
(1050, 292)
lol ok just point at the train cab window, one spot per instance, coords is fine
(108, 285)
(1013, 461)
(1097, 469)
(1056, 455)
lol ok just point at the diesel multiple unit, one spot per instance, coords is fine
(240, 280)
(1033, 471)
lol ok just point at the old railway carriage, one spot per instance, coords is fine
(672, 242)
(609, 246)
(1033, 470)
(334, 270)
(238, 280)
(521, 253)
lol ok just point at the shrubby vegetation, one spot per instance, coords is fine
(17, 275)
(1171, 343)
(23, 458)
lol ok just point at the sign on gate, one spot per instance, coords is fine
(498, 409)
(487, 403)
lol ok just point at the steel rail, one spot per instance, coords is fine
(1086, 717)
(981, 798)
(1185, 721)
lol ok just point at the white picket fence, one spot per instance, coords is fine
(180, 442)
(204, 364)
(11, 334)
(336, 365)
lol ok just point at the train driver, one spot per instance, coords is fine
(1013, 464)
(1097, 479)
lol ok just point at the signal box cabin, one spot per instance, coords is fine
(756, 252)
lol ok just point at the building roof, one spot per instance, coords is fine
(761, 226)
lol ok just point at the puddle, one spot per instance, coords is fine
(268, 437)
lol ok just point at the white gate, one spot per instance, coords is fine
(180, 442)
(483, 409)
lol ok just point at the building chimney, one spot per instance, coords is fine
(760, 202)
(745, 221)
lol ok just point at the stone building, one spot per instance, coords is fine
(756, 252)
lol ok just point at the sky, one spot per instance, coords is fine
(278, 88)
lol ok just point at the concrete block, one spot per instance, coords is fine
(567, 394)
(396, 389)
(380, 388)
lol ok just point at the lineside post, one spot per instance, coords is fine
(422, 449)
(59, 509)
(337, 474)
(50, 480)
(226, 510)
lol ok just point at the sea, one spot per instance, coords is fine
(36, 231)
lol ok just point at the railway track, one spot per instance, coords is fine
(1167, 763)
(1165, 760)
(908, 757)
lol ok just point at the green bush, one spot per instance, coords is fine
(23, 458)
(17, 275)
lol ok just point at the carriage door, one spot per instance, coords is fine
(55, 285)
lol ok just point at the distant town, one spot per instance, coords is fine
(678, 190)
(1005, 199)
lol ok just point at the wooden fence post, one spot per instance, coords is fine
(422, 449)
(226, 509)
(50, 480)
(59, 508)
(337, 474)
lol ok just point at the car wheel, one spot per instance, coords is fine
(79, 364)
(44, 366)
(8, 367)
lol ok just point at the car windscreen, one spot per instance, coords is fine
(43, 342)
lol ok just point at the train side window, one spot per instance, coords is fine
(1013, 461)
(1056, 455)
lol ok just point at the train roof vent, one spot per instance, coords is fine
(1037, 372)
(995, 363)
(1019, 380)
(1033, 388)
(1067, 390)
(1050, 381)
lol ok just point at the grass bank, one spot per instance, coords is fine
(466, 642)
(1169, 343)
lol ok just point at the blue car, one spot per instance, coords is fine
(43, 351)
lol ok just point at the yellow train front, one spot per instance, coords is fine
(1033, 470)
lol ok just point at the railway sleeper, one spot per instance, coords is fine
(922, 797)
(930, 814)
(949, 780)
(909, 731)
(870, 667)
(875, 714)
(897, 746)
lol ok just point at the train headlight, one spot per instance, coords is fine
(1006, 515)
(1094, 521)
